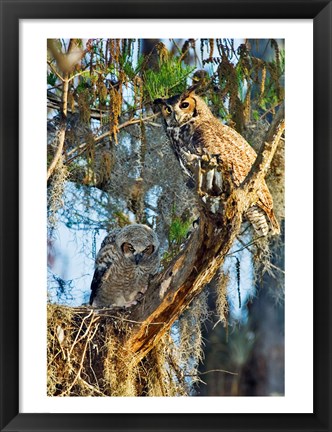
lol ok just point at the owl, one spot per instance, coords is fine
(126, 260)
(194, 132)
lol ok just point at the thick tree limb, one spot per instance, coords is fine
(171, 292)
(265, 156)
(244, 196)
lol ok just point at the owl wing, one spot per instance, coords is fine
(266, 203)
(265, 198)
(245, 158)
(103, 263)
(97, 281)
(178, 152)
(239, 155)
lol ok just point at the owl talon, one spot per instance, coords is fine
(139, 296)
(130, 304)
(196, 223)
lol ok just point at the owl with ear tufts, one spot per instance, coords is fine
(128, 257)
(194, 132)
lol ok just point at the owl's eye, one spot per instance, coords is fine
(127, 247)
(168, 110)
(149, 250)
(184, 105)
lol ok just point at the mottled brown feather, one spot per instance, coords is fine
(192, 128)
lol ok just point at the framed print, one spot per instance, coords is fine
(172, 271)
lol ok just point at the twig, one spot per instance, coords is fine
(215, 370)
(60, 141)
(78, 332)
(82, 146)
(277, 268)
(269, 110)
(78, 375)
(245, 246)
(91, 387)
(77, 75)
(61, 78)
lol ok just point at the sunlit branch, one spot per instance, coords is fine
(55, 71)
(62, 131)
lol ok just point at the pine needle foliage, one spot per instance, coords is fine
(169, 78)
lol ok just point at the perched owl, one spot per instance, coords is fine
(195, 132)
(127, 258)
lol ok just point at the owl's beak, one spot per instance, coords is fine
(138, 258)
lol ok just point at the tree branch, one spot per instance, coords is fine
(171, 292)
(60, 137)
(55, 71)
(265, 155)
(244, 196)
(62, 131)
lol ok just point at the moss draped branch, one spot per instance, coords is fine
(171, 292)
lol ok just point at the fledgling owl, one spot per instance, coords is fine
(126, 260)
(194, 131)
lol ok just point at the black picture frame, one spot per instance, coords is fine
(11, 12)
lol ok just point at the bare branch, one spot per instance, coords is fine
(62, 130)
(60, 143)
(214, 370)
(265, 156)
(55, 71)
(78, 74)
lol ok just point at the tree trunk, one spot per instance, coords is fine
(170, 292)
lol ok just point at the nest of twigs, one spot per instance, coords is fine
(83, 349)
(86, 356)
